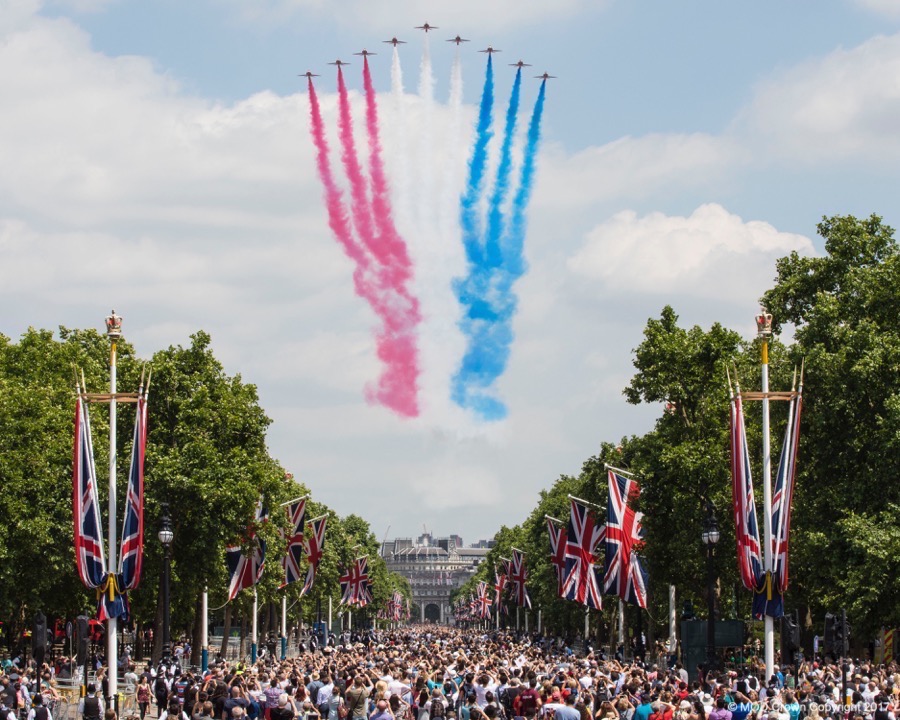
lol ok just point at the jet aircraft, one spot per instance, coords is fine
(457, 40)
(489, 51)
(520, 64)
(339, 63)
(308, 75)
(365, 53)
(395, 42)
(426, 27)
(545, 76)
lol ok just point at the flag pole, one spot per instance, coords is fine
(764, 331)
(113, 332)
(587, 502)
(204, 631)
(284, 626)
(618, 470)
(253, 632)
(620, 634)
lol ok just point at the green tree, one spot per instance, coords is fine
(845, 309)
(37, 382)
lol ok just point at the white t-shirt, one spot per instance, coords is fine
(482, 690)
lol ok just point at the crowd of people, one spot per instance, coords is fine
(437, 673)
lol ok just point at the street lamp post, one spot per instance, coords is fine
(165, 538)
(710, 538)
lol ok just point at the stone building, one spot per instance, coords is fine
(434, 568)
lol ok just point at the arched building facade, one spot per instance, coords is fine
(434, 568)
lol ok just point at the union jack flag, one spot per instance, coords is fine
(624, 572)
(749, 555)
(395, 606)
(245, 568)
(784, 493)
(314, 547)
(296, 511)
(558, 553)
(518, 576)
(131, 554)
(89, 557)
(500, 580)
(355, 582)
(482, 601)
(583, 537)
(364, 594)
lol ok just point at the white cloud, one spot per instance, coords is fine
(631, 167)
(120, 189)
(829, 109)
(712, 254)
(888, 8)
(450, 486)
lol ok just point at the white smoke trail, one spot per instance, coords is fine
(442, 343)
(399, 154)
(396, 75)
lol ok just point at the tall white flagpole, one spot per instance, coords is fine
(254, 631)
(764, 330)
(283, 627)
(620, 636)
(113, 332)
(204, 631)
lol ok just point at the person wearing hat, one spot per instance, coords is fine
(38, 712)
(90, 707)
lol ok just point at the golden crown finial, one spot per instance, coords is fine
(764, 324)
(113, 326)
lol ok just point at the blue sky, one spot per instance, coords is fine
(686, 146)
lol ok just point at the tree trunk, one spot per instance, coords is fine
(197, 635)
(226, 632)
(156, 651)
(243, 636)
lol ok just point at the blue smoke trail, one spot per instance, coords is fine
(468, 206)
(487, 293)
(514, 241)
(501, 186)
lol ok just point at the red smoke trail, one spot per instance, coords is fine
(395, 343)
(337, 214)
(391, 244)
(390, 249)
